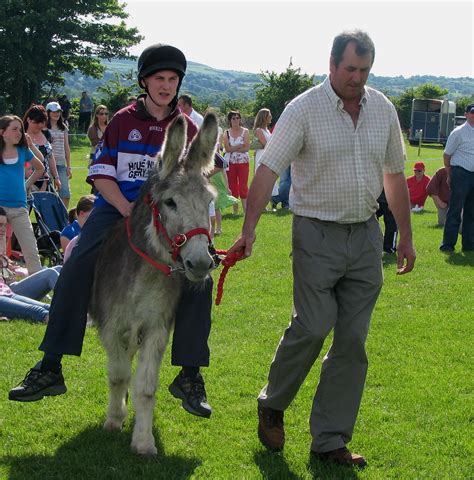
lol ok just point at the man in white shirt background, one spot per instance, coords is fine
(185, 103)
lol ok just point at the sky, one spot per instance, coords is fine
(416, 37)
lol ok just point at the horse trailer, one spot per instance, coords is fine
(435, 118)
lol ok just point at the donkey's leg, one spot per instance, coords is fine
(146, 380)
(119, 367)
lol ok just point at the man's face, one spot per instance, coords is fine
(470, 118)
(184, 106)
(349, 77)
(162, 86)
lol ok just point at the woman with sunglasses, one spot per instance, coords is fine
(236, 145)
(35, 121)
(97, 128)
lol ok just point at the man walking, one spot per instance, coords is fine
(345, 144)
(459, 162)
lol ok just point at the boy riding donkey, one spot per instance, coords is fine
(131, 143)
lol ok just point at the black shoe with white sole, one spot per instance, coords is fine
(38, 384)
(192, 393)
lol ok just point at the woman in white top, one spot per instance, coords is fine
(60, 143)
(236, 145)
(260, 130)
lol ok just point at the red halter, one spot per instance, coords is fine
(176, 243)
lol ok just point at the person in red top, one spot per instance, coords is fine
(438, 189)
(417, 187)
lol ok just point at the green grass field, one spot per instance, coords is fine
(416, 419)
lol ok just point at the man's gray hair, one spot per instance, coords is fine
(363, 44)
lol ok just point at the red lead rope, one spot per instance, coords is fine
(177, 242)
(229, 261)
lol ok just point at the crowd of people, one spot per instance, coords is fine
(335, 286)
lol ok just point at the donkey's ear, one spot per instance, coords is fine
(173, 146)
(201, 152)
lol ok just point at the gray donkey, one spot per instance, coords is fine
(134, 299)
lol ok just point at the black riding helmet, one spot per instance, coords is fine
(161, 57)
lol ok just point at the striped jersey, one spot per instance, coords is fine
(129, 148)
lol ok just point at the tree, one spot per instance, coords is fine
(40, 40)
(403, 105)
(277, 89)
(462, 103)
(430, 90)
(118, 90)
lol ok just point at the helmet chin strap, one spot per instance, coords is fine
(151, 98)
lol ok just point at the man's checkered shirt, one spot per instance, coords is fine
(337, 169)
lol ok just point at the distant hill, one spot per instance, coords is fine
(212, 85)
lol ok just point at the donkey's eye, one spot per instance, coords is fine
(169, 202)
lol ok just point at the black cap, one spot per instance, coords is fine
(470, 108)
(161, 57)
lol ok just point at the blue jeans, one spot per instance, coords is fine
(283, 189)
(38, 285)
(21, 307)
(461, 200)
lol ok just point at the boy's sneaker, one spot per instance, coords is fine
(38, 384)
(192, 393)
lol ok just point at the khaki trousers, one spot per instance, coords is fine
(19, 219)
(338, 275)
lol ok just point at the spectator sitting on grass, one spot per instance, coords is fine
(19, 299)
(417, 187)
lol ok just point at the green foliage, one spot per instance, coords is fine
(429, 90)
(277, 89)
(118, 90)
(462, 103)
(403, 105)
(42, 40)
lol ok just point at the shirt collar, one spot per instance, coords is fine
(335, 100)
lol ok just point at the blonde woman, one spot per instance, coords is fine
(261, 131)
(96, 130)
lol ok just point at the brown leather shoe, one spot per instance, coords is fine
(341, 456)
(270, 428)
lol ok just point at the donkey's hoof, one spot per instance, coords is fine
(147, 450)
(113, 425)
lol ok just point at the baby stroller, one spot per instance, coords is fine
(51, 217)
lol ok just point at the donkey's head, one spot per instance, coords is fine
(182, 194)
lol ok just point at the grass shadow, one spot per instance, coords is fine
(273, 465)
(325, 471)
(462, 259)
(95, 453)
